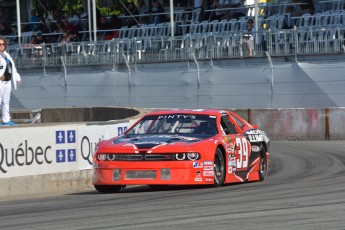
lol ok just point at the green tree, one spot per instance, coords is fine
(113, 7)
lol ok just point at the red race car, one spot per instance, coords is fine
(182, 147)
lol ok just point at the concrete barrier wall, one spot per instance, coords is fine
(50, 158)
(39, 185)
(298, 124)
(336, 123)
(291, 124)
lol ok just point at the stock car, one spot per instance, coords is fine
(182, 147)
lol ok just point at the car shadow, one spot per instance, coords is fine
(157, 188)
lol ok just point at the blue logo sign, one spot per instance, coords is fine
(121, 130)
(60, 155)
(71, 155)
(60, 137)
(197, 164)
(71, 136)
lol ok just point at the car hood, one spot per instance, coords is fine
(150, 141)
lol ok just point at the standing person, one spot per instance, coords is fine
(131, 13)
(199, 4)
(8, 76)
(34, 20)
(142, 8)
(249, 37)
(83, 18)
(157, 9)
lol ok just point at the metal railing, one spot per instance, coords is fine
(205, 46)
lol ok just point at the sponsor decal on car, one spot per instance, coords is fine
(257, 136)
(209, 179)
(177, 116)
(149, 143)
(255, 148)
(209, 168)
(198, 177)
(231, 163)
(209, 173)
(230, 170)
(230, 148)
(231, 157)
(197, 165)
(208, 163)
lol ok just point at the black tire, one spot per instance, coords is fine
(108, 188)
(158, 187)
(219, 168)
(263, 164)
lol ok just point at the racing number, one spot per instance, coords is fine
(242, 147)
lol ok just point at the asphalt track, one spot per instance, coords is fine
(305, 189)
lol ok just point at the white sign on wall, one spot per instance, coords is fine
(51, 149)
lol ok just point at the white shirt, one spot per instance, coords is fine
(74, 19)
(15, 75)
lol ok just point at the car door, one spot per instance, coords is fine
(238, 159)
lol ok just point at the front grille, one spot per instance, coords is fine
(143, 156)
(155, 157)
(128, 157)
(141, 174)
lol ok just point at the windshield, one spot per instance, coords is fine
(176, 123)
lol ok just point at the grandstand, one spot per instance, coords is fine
(280, 33)
(298, 62)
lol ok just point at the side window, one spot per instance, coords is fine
(228, 127)
(240, 123)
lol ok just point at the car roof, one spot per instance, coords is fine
(213, 112)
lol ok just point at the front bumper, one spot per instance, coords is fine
(153, 173)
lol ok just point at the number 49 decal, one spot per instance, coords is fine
(243, 153)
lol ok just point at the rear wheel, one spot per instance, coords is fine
(219, 168)
(263, 164)
(108, 188)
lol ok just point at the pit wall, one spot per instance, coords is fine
(57, 158)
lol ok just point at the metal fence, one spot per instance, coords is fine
(201, 45)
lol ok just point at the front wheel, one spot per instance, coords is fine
(263, 164)
(219, 168)
(108, 188)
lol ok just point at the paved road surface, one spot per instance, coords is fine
(305, 189)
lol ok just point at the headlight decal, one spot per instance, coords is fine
(180, 156)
